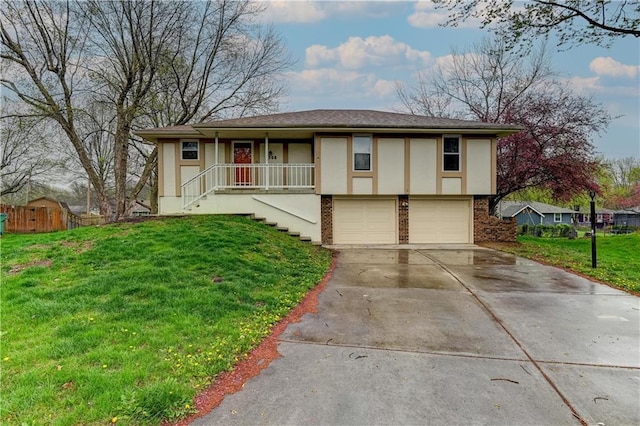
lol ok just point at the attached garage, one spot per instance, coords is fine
(437, 220)
(365, 221)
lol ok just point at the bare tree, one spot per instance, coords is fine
(574, 21)
(24, 158)
(481, 83)
(493, 84)
(148, 63)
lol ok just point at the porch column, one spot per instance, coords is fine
(215, 161)
(266, 159)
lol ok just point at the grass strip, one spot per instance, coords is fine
(618, 256)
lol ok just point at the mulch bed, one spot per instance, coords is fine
(232, 381)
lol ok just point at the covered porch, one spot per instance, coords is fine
(256, 176)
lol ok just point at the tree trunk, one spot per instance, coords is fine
(121, 154)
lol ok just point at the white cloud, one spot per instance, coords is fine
(308, 11)
(426, 15)
(357, 53)
(610, 67)
(385, 88)
(343, 84)
(584, 85)
(318, 54)
(294, 11)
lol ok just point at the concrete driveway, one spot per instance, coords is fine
(457, 335)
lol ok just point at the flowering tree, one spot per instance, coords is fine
(553, 150)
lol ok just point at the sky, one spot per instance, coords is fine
(350, 54)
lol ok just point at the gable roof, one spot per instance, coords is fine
(513, 208)
(62, 204)
(319, 120)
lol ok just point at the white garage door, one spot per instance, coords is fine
(439, 221)
(364, 221)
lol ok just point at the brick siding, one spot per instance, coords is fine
(488, 228)
(403, 219)
(326, 219)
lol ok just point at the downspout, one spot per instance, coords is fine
(266, 159)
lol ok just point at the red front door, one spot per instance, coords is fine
(242, 155)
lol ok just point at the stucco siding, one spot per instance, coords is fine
(362, 186)
(423, 164)
(209, 153)
(298, 212)
(300, 153)
(168, 172)
(391, 166)
(276, 157)
(334, 163)
(452, 186)
(478, 166)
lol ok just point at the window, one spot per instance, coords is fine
(451, 154)
(557, 217)
(189, 150)
(362, 153)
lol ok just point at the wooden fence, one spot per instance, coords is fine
(28, 219)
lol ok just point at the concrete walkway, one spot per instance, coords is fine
(455, 335)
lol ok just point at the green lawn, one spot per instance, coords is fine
(618, 256)
(126, 323)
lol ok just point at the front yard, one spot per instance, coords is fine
(126, 323)
(618, 256)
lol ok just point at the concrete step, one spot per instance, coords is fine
(274, 224)
(305, 239)
(282, 229)
(294, 234)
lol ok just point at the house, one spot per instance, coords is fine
(140, 209)
(626, 218)
(534, 213)
(338, 176)
(604, 217)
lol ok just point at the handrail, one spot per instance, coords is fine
(284, 210)
(247, 176)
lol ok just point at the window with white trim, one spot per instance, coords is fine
(557, 217)
(189, 150)
(451, 153)
(362, 153)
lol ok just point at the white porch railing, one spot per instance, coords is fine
(247, 176)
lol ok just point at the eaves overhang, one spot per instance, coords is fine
(309, 132)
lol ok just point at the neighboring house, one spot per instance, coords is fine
(338, 176)
(604, 217)
(534, 213)
(626, 218)
(140, 209)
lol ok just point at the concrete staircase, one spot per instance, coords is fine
(282, 229)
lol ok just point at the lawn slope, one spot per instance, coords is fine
(125, 323)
